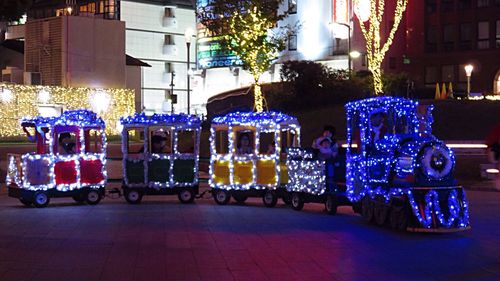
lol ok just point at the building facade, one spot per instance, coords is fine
(446, 35)
(155, 34)
(325, 28)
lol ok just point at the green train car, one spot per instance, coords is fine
(160, 156)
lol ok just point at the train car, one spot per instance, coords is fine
(69, 161)
(312, 180)
(160, 156)
(248, 156)
(398, 172)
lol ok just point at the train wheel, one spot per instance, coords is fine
(356, 208)
(331, 205)
(297, 202)
(397, 218)
(240, 198)
(133, 196)
(186, 196)
(287, 198)
(79, 198)
(25, 202)
(380, 214)
(41, 199)
(221, 197)
(269, 198)
(367, 209)
(93, 197)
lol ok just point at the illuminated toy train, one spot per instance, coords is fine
(393, 172)
(69, 160)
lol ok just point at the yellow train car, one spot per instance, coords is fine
(248, 155)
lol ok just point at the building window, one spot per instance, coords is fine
(292, 42)
(430, 39)
(169, 39)
(483, 35)
(169, 67)
(462, 76)
(169, 12)
(497, 34)
(431, 75)
(447, 5)
(483, 3)
(448, 37)
(464, 4)
(292, 6)
(465, 36)
(430, 6)
(392, 63)
(448, 73)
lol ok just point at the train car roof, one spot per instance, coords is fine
(80, 117)
(141, 119)
(371, 104)
(257, 119)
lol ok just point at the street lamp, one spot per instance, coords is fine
(188, 35)
(348, 37)
(468, 72)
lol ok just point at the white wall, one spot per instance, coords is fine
(145, 37)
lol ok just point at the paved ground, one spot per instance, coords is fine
(164, 240)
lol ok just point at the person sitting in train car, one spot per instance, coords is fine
(271, 148)
(244, 146)
(66, 144)
(159, 144)
(377, 126)
(328, 132)
(326, 150)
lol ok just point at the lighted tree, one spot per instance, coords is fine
(248, 29)
(370, 14)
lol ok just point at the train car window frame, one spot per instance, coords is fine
(237, 133)
(221, 140)
(182, 140)
(74, 143)
(268, 145)
(164, 132)
(136, 151)
(95, 140)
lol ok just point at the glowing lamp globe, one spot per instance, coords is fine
(100, 101)
(6, 95)
(362, 9)
(43, 96)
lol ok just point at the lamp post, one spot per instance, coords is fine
(468, 72)
(349, 67)
(188, 35)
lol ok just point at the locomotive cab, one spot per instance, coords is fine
(248, 155)
(69, 160)
(397, 171)
(160, 156)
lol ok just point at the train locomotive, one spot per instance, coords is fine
(397, 171)
(69, 161)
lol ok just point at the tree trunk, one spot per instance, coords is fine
(258, 98)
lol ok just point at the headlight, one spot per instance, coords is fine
(436, 161)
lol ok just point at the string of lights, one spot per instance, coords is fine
(409, 152)
(63, 172)
(21, 101)
(229, 161)
(173, 123)
(370, 17)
